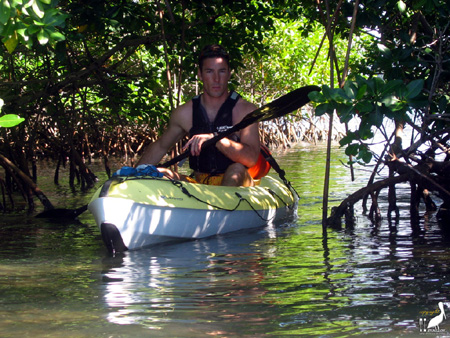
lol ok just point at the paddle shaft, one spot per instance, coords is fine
(277, 108)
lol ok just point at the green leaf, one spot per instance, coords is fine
(352, 149)
(8, 29)
(21, 32)
(323, 108)
(361, 92)
(5, 12)
(375, 119)
(364, 154)
(364, 106)
(317, 97)
(414, 88)
(327, 92)
(391, 87)
(54, 18)
(345, 112)
(33, 29)
(442, 103)
(15, 3)
(350, 90)
(339, 95)
(401, 6)
(12, 43)
(57, 36)
(10, 120)
(365, 131)
(43, 37)
(418, 102)
(418, 4)
(38, 9)
(379, 84)
(349, 138)
(384, 50)
(39, 23)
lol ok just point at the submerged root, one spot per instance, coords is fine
(421, 181)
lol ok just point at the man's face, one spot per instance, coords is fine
(215, 75)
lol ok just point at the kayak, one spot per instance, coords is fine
(133, 212)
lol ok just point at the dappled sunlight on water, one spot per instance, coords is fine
(57, 279)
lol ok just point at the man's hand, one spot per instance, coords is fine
(196, 142)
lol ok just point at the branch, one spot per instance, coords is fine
(415, 174)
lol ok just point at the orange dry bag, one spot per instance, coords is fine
(262, 167)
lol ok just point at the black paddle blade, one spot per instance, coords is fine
(281, 106)
(277, 108)
(62, 213)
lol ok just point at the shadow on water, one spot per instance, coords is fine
(57, 279)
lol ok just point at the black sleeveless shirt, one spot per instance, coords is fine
(211, 160)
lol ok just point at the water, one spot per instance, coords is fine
(56, 280)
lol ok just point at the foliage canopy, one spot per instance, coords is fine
(103, 74)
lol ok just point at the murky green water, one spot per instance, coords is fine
(56, 280)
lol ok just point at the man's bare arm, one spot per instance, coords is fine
(247, 150)
(177, 129)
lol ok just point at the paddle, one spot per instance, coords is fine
(277, 108)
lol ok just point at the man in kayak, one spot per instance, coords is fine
(202, 117)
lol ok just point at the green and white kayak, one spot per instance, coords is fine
(135, 212)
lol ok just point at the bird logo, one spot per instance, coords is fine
(435, 322)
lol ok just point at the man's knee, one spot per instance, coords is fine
(237, 175)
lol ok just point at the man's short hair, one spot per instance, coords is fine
(213, 51)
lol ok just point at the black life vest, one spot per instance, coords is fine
(211, 160)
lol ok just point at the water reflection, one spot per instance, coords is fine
(355, 284)
(284, 282)
(211, 285)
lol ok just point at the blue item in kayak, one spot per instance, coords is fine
(148, 170)
(141, 170)
(125, 171)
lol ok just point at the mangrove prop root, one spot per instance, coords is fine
(334, 220)
(421, 182)
(28, 182)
